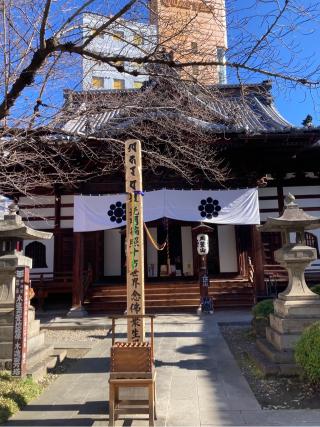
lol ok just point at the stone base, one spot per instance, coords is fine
(77, 312)
(275, 354)
(300, 307)
(272, 362)
(38, 353)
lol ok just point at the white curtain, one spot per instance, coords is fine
(92, 213)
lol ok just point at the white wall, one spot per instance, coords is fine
(227, 249)
(187, 250)
(112, 252)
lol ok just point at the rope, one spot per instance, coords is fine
(153, 242)
(133, 232)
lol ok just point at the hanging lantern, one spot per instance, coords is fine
(203, 244)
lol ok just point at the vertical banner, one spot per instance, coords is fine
(20, 325)
(134, 242)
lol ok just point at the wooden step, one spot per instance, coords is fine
(171, 296)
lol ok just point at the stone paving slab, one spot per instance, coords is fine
(198, 384)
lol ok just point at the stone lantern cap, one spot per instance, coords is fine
(13, 227)
(292, 219)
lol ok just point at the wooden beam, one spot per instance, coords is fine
(257, 260)
(77, 290)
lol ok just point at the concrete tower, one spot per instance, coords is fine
(194, 30)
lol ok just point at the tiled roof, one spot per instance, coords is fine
(221, 109)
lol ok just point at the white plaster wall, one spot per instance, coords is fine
(187, 251)
(67, 199)
(152, 254)
(66, 223)
(310, 189)
(267, 192)
(227, 249)
(49, 244)
(112, 252)
(268, 204)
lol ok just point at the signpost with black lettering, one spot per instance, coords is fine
(20, 325)
(134, 243)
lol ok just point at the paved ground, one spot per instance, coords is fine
(198, 384)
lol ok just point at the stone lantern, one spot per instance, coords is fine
(297, 306)
(12, 266)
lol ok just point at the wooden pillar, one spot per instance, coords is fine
(77, 290)
(280, 196)
(56, 231)
(257, 260)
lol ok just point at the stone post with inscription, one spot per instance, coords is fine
(134, 242)
(18, 351)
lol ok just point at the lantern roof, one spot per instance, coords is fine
(12, 226)
(292, 219)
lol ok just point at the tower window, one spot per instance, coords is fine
(137, 85)
(194, 47)
(222, 72)
(36, 251)
(118, 35)
(137, 40)
(195, 70)
(97, 82)
(118, 84)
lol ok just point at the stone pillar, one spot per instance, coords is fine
(8, 265)
(37, 351)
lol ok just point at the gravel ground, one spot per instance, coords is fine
(273, 392)
(73, 354)
(75, 335)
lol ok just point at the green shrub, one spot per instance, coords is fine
(15, 393)
(307, 352)
(316, 289)
(262, 309)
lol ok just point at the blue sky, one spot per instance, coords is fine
(295, 44)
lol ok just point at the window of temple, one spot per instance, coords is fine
(118, 84)
(36, 251)
(97, 82)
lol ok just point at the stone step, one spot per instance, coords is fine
(34, 328)
(39, 370)
(35, 342)
(39, 355)
(60, 353)
(281, 341)
(273, 354)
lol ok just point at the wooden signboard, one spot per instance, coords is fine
(20, 325)
(134, 243)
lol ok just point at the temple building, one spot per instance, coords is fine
(267, 158)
